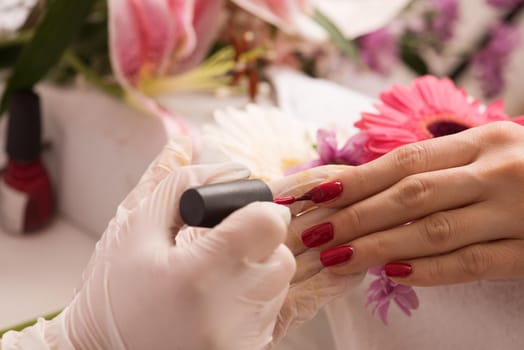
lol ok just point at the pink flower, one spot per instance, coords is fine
(352, 18)
(379, 50)
(291, 16)
(383, 290)
(505, 4)
(354, 151)
(489, 63)
(430, 107)
(445, 17)
(150, 39)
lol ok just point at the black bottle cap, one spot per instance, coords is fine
(207, 206)
(24, 130)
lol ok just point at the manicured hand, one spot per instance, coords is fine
(446, 210)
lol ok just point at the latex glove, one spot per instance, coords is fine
(141, 291)
(463, 196)
(312, 286)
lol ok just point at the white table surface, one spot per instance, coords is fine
(39, 272)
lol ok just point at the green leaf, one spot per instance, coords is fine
(411, 57)
(9, 55)
(53, 36)
(346, 46)
(11, 47)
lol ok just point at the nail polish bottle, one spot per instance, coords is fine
(208, 205)
(26, 199)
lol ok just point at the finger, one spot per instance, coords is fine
(299, 183)
(269, 278)
(301, 223)
(495, 260)
(433, 235)
(412, 198)
(308, 265)
(439, 153)
(250, 234)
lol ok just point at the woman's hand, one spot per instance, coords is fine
(442, 211)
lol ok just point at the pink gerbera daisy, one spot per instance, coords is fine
(430, 107)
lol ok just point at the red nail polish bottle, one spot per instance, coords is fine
(26, 200)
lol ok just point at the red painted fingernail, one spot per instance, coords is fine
(396, 269)
(325, 192)
(317, 235)
(285, 200)
(337, 255)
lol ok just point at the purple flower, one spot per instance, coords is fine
(379, 50)
(383, 290)
(354, 151)
(445, 17)
(491, 60)
(505, 4)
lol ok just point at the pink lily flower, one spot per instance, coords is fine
(291, 16)
(352, 17)
(155, 39)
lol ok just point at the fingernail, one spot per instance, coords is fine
(317, 235)
(396, 269)
(325, 192)
(337, 255)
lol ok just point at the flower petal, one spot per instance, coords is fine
(519, 120)
(357, 17)
(382, 310)
(141, 33)
(408, 299)
(205, 22)
(174, 125)
(326, 145)
(291, 16)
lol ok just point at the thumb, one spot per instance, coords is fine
(245, 246)
(252, 233)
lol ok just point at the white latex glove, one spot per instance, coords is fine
(313, 286)
(222, 290)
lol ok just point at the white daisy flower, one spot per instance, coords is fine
(264, 139)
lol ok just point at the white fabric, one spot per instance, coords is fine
(484, 315)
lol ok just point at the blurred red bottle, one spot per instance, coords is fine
(26, 196)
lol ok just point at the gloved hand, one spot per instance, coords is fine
(313, 286)
(221, 290)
